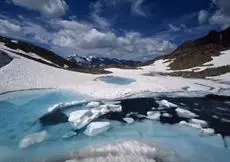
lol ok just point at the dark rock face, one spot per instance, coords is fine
(4, 59)
(53, 118)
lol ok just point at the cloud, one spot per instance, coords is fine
(224, 7)
(221, 16)
(137, 8)
(179, 28)
(95, 15)
(174, 28)
(220, 19)
(49, 8)
(8, 27)
(86, 39)
(203, 16)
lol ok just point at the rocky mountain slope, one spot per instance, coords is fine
(196, 58)
(74, 63)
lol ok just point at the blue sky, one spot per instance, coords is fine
(126, 29)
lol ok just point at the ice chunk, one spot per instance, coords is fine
(33, 139)
(166, 104)
(93, 104)
(185, 113)
(95, 128)
(208, 131)
(128, 120)
(154, 115)
(199, 122)
(77, 115)
(67, 104)
(81, 118)
(167, 115)
(198, 126)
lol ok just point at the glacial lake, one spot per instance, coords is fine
(155, 122)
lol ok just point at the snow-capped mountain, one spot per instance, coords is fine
(96, 62)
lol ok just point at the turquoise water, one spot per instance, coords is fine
(20, 113)
(115, 80)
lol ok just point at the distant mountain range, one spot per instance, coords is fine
(90, 64)
(191, 54)
(100, 62)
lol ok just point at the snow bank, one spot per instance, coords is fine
(96, 128)
(161, 65)
(185, 113)
(23, 73)
(33, 139)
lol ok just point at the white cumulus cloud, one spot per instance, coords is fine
(203, 16)
(7, 26)
(137, 8)
(49, 8)
(222, 15)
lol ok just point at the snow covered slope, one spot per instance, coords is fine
(23, 73)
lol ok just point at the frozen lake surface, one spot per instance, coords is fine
(115, 80)
(55, 125)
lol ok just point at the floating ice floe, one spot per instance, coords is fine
(166, 104)
(198, 126)
(95, 128)
(77, 115)
(129, 120)
(93, 104)
(207, 131)
(185, 113)
(167, 115)
(81, 118)
(198, 122)
(154, 115)
(67, 104)
(33, 139)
